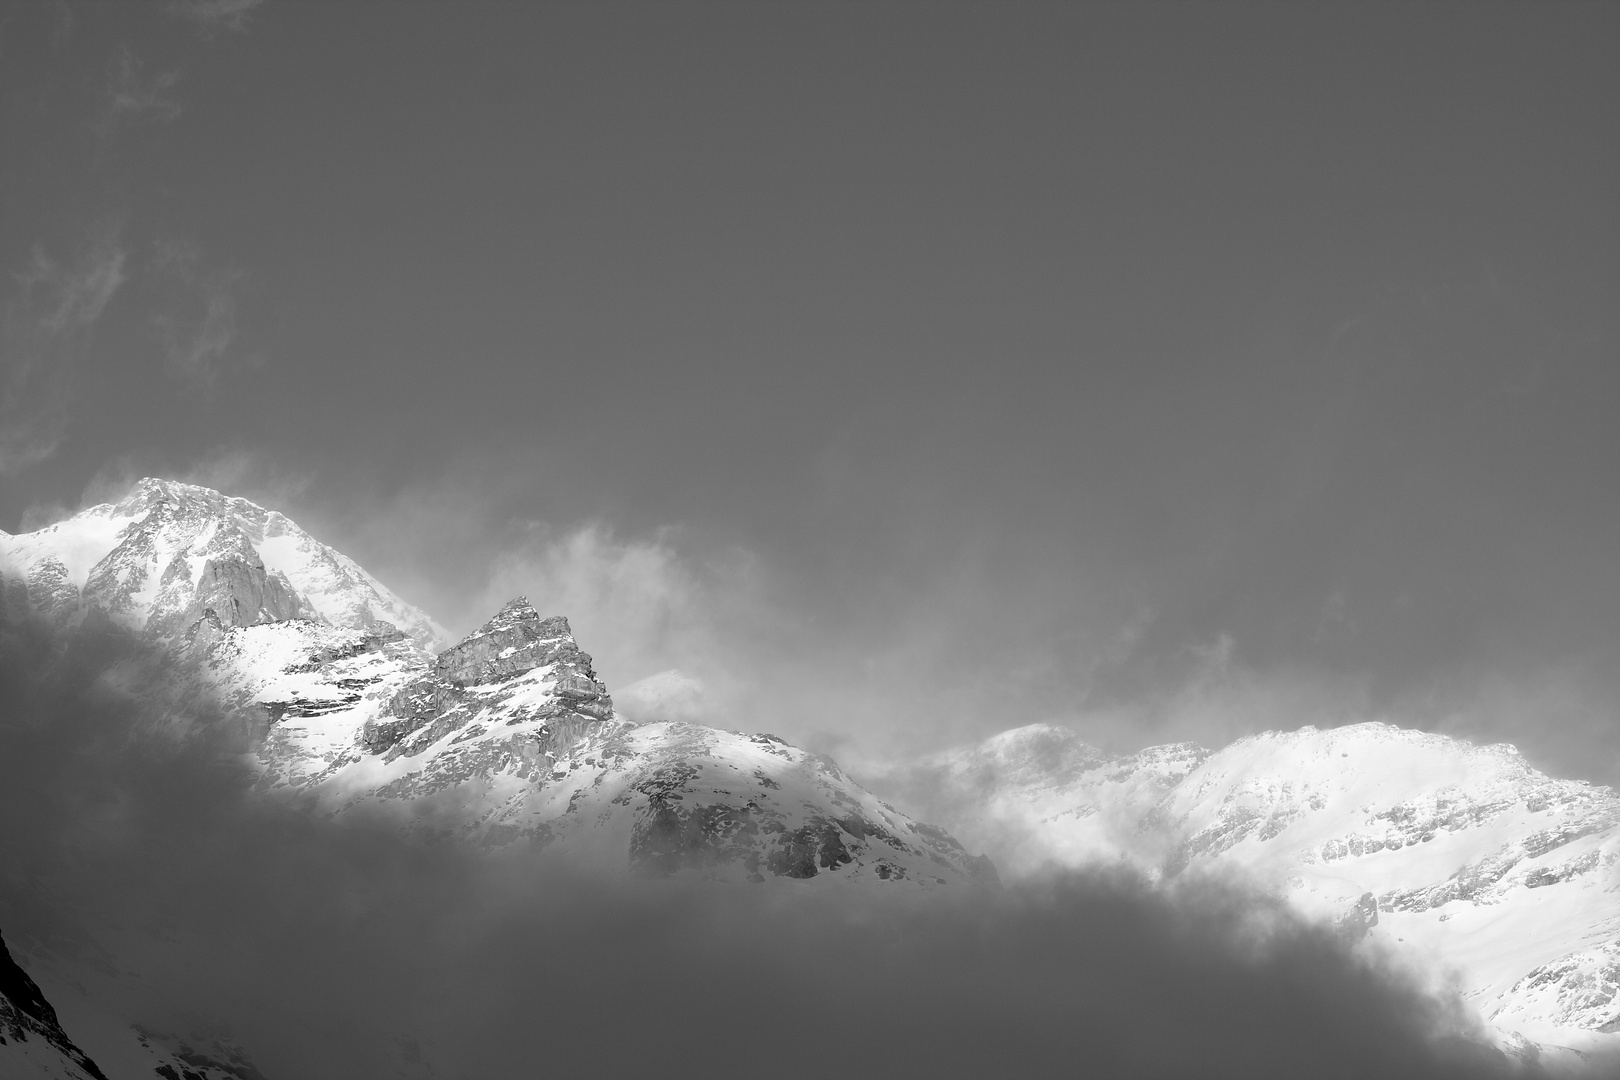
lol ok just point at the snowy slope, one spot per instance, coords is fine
(32, 1042)
(1507, 877)
(1462, 859)
(167, 552)
(507, 740)
(95, 993)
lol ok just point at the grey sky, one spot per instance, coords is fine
(914, 371)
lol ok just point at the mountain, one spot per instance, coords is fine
(167, 553)
(202, 615)
(511, 727)
(1456, 858)
(94, 996)
(32, 1042)
(211, 614)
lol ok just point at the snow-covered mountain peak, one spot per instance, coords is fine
(1463, 857)
(167, 553)
(1401, 787)
(509, 740)
(515, 640)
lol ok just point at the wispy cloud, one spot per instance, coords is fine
(135, 94)
(215, 15)
(640, 601)
(198, 333)
(231, 470)
(45, 328)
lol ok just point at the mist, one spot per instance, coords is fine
(338, 950)
(897, 375)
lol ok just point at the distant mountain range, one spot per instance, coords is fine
(1459, 860)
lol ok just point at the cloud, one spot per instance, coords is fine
(639, 604)
(46, 327)
(215, 15)
(229, 470)
(667, 696)
(132, 94)
(329, 950)
(199, 330)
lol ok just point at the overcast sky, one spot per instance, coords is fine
(903, 372)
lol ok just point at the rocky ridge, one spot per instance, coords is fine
(1460, 857)
(513, 729)
(507, 739)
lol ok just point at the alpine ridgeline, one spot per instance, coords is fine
(223, 616)
(167, 554)
(1461, 860)
(510, 727)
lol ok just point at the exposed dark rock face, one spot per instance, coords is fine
(513, 643)
(798, 853)
(182, 1061)
(683, 826)
(672, 837)
(26, 1015)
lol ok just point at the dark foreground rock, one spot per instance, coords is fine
(32, 1042)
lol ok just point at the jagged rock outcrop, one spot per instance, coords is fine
(508, 740)
(32, 1042)
(515, 642)
(233, 583)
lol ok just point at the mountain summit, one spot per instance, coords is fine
(1415, 844)
(167, 554)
